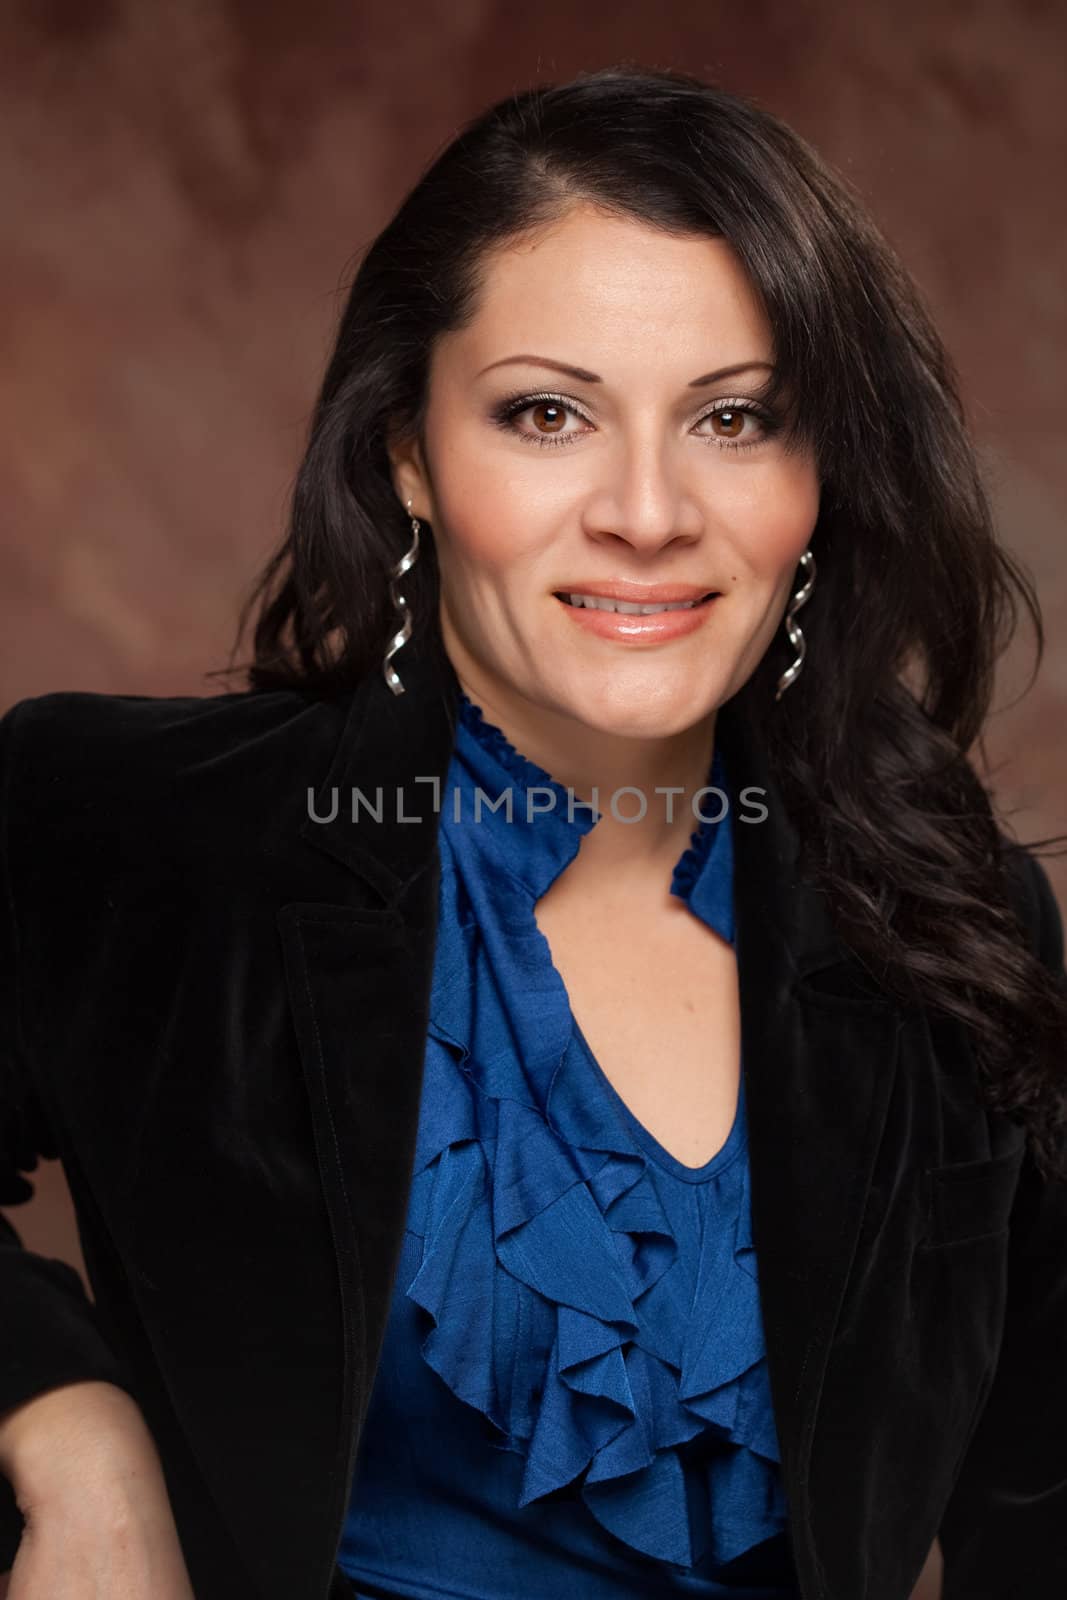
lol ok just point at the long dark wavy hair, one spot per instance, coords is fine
(916, 599)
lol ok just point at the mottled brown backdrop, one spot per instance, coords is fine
(184, 185)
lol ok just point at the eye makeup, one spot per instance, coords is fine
(511, 406)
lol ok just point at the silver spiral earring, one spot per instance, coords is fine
(796, 637)
(399, 639)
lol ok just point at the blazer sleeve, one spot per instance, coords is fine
(1004, 1533)
(49, 1333)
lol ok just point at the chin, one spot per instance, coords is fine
(642, 715)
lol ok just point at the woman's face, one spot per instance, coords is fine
(574, 441)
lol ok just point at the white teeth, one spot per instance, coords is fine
(596, 602)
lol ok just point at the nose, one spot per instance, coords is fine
(642, 497)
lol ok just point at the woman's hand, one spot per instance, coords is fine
(89, 1483)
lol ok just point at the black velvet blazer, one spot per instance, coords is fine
(214, 1011)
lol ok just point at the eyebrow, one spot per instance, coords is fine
(583, 376)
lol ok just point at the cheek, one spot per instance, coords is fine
(774, 521)
(480, 555)
(473, 547)
(485, 536)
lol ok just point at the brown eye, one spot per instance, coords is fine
(729, 423)
(548, 414)
(554, 414)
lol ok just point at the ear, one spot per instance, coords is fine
(410, 478)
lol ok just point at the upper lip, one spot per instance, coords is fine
(639, 593)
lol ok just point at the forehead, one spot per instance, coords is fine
(608, 283)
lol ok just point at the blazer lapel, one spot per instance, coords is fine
(820, 1052)
(359, 972)
(820, 1062)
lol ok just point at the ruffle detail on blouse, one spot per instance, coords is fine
(552, 1310)
(703, 875)
(555, 1298)
(525, 774)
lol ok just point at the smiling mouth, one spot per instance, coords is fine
(593, 602)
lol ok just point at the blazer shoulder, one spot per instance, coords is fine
(72, 749)
(90, 782)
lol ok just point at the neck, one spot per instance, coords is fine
(660, 777)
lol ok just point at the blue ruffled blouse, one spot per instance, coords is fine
(572, 1392)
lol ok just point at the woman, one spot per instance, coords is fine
(621, 1190)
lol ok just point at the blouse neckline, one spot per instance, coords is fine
(702, 876)
(728, 1152)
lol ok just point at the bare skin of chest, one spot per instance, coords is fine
(655, 993)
